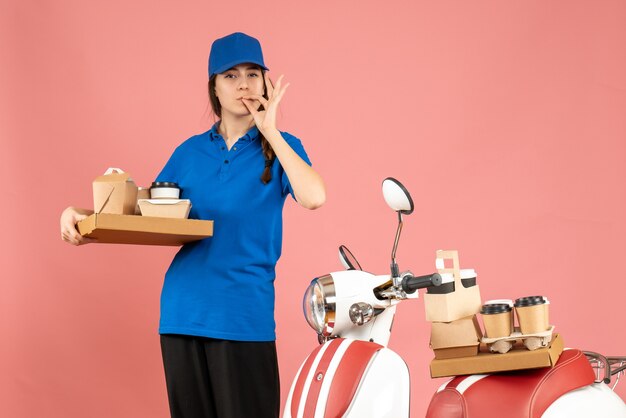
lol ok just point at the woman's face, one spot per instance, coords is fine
(232, 85)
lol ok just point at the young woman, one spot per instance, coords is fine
(217, 304)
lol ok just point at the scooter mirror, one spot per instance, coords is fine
(347, 259)
(397, 196)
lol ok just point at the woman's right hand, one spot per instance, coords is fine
(69, 218)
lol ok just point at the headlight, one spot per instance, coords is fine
(319, 305)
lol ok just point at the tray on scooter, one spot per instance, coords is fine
(518, 358)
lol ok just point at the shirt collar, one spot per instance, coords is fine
(251, 135)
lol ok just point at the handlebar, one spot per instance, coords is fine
(411, 283)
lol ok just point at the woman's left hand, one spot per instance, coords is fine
(265, 119)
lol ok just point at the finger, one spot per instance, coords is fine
(282, 93)
(248, 102)
(277, 87)
(69, 239)
(77, 238)
(279, 96)
(261, 99)
(249, 106)
(269, 86)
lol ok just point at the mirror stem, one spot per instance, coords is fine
(394, 267)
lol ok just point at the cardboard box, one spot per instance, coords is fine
(165, 208)
(459, 338)
(461, 303)
(131, 229)
(114, 192)
(142, 193)
(518, 358)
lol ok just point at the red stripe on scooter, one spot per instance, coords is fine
(348, 376)
(316, 385)
(297, 392)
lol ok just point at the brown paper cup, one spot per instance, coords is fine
(533, 318)
(498, 320)
(498, 325)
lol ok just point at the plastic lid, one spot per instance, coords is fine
(156, 184)
(529, 301)
(499, 301)
(468, 273)
(495, 308)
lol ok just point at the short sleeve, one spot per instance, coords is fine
(295, 145)
(171, 170)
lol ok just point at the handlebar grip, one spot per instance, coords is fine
(411, 283)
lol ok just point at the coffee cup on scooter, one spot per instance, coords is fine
(498, 318)
(532, 314)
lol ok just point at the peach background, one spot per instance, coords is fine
(506, 121)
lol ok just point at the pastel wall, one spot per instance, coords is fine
(506, 121)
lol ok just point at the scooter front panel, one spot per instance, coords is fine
(384, 390)
(333, 374)
(322, 376)
(348, 376)
(298, 388)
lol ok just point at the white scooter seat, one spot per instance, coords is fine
(521, 394)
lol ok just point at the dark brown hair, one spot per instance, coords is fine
(268, 152)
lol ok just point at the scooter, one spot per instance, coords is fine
(352, 373)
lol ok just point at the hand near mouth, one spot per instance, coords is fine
(265, 119)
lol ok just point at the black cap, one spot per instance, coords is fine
(156, 184)
(495, 308)
(529, 301)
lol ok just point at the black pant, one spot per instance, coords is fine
(209, 378)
